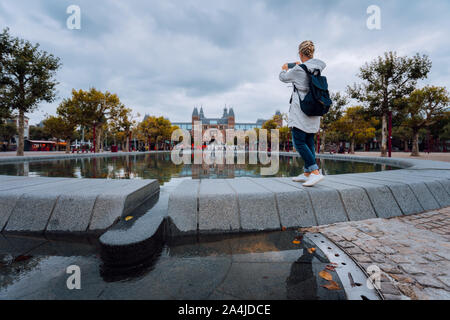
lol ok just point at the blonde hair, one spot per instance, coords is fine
(307, 49)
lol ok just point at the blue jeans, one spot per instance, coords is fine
(304, 144)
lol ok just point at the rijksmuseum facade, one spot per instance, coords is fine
(227, 121)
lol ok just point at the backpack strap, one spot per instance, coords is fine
(316, 72)
(305, 68)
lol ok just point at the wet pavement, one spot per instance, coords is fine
(412, 252)
(252, 266)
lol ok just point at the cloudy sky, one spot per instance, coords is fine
(165, 57)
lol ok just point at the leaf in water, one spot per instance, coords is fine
(128, 218)
(296, 242)
(22, 258)
(331, 285)
(325, 275)
(311, 250)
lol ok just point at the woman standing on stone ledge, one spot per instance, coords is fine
(303, 127)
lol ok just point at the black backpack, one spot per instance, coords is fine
(317, 102)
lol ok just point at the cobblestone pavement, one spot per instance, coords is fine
(413, 252)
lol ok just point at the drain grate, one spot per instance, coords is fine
(353, 279)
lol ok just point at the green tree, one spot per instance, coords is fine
(387, 79)
(442, 127)
(122, 124)
(155, 130)
(355, 126)
(26, 78)
(69, 114)
(61, 129)
(270, 125)
(285, 134)
(93, 109)
(335, 113)
(404, 133)
(274, 123)
(38, 133)
(425, 107)
(7, 131)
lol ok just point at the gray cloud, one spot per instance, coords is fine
(164, 57)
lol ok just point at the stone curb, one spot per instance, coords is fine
(68, 206)
(252, 204)
(256, 204)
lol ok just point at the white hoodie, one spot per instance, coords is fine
(297, 76)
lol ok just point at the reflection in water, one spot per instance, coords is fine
(302, 275)
(245, 266)
(159, 166)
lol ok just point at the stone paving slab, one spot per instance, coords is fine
(9, 198)
(183, 207)
(69, 205)
(120, 198)
(257, 205)
(294, 204)
(380, 196)
(327, 205)
(356, 201)
(72, 212)
(33, 209)
(419, 188)
(21, 183)
(403, 194)
(218, 206)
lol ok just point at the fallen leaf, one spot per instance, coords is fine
(325, 275)
(128, 218)
(334, 264)
(331, 268)
(311, 250)
(331, 285)
(296, 242)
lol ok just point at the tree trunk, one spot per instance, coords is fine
(384, 134)
(21, 142)
(406, 145)
(322, 142)
(67, 145)
(415, 145)
(352, 147)
(127, 145)
(98, 140)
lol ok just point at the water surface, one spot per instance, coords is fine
(159, 166)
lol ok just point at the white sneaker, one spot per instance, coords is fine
(300, 178)
(313, 180)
